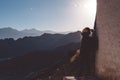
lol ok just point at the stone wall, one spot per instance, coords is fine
(108, 29)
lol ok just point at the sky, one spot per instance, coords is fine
(56, 15)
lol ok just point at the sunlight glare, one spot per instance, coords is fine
(90, 6)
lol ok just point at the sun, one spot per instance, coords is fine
(90, 6)
(87, 6)
(83, 13)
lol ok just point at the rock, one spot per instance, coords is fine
(108, 29)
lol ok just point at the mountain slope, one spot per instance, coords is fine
(38, 60)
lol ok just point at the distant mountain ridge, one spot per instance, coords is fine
(9, 32)
(21, 46)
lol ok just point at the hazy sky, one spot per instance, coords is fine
(56, 15)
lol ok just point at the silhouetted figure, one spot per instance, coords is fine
(87, 53)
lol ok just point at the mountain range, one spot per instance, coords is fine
(37, 56)
(9, 32)
(12, 48)
(43, 57)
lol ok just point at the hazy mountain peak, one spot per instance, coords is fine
(33, 29)
(8, 28)
(9, 32)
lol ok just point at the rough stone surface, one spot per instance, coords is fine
(108, 28)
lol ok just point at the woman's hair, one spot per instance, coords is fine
(86, 30)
